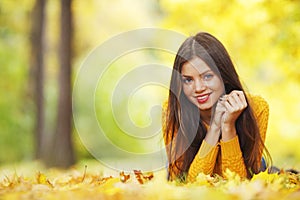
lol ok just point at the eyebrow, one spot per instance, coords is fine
(209, 70)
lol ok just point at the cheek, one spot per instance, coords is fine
(187, 90)
(216, 85)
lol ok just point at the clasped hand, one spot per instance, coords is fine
(228, 109)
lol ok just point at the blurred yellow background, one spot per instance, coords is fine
(262, 37)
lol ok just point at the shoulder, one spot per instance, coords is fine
(164, 116)
(258, 104)
(164, 109)
(165, 104)
(257, 101)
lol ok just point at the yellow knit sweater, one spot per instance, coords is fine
(227, 155)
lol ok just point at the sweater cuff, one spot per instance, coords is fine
(205, 148)
(231, 147)
(208, 150)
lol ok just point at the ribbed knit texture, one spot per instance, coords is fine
(228, 155)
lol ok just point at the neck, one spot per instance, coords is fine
(205, 116)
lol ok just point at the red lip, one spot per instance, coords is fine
(202, 98)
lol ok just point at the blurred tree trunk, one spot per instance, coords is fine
(63, 148)
(37, 74)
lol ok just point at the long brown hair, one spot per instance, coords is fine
(184, 131)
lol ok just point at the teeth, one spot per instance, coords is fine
(203, 97)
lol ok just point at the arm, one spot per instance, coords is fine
(205, 159)
(261, 111)
(232, 158)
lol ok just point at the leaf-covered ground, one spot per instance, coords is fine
(92, 181)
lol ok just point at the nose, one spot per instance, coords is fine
(200, 85)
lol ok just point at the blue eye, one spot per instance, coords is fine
(187, 80)
(207, 77)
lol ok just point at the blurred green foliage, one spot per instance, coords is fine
(16, 110)
(261, 36)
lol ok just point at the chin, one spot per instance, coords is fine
(204, 109)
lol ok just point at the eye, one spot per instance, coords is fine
(187, 80)
(207, 77)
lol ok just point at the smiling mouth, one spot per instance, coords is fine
(203, 98)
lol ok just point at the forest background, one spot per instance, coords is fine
(261, 36)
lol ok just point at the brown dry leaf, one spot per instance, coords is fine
(124, 177)
(148, 176)
(142, 178)
(138, 176)
(96, 180)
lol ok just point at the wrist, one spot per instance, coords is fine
(228, 127)
(228, 132)
(213, 135)
(215, 128)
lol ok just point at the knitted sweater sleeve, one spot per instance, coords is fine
(261, 112)
(231, 153)
(204, 161)
(232, 157)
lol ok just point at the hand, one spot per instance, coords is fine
(228, 109)
(214, 131)
(234, 103)
(218, 114)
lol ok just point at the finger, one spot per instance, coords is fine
(239, 93)
(221, 104)
(221, 107)
(218, 113)
(224, 98)
(240, 98)
(225, 101)
(233, 100)
(229, 107)
(240, 102)
(243, 99)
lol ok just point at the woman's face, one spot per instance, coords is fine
(200, 84)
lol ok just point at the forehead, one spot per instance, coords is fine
(194, 66)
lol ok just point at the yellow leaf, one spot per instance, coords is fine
(230, 175)
(265, 176)
(203, 180)
(41, 178)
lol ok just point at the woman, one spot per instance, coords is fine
(210, 124)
